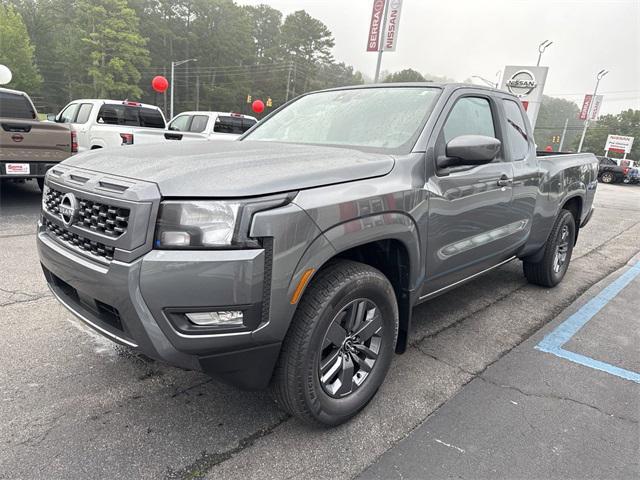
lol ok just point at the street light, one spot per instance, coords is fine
(541, 48)
(488, 82)
(599, 77)
(173, 65)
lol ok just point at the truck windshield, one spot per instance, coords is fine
(387, 119)
(15, 106)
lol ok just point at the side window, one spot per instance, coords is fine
(180, 124)
(83, 113)
(517, 131)
(68, 115)
(469, 116)
(199, 123)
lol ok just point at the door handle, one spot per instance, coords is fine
(504, 181)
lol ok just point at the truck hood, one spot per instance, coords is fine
(234, 169)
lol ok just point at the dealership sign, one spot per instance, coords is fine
(373, 40)
(527, 83)
(590, 105)
(618, 144)
(595, 109)
(391, 27)
(586, 104)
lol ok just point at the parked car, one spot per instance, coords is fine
(609, 171)
(632, 176)
(292, 258)
(109, 123)
(29, 147)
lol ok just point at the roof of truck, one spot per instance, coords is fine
(131, 103)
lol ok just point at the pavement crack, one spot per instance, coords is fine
(559, 398)
(28, 297)
(199, 468)
(185, 391)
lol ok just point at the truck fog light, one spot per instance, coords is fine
(216, 319)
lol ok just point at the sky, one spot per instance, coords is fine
(461, 38)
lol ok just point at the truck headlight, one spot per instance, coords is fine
(209, 223)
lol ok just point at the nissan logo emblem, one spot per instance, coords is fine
(522, 83)
(68, 209)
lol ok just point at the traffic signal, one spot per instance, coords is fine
(555, 139)
(269, 102)
(248, 98)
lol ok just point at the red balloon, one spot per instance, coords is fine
(159, 83)
(257, 106)
(548, 148)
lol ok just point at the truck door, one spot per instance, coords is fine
(471, 221)
(81, 126)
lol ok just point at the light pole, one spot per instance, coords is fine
(488, 82)
(381, 46)
(173, 66)
(599, 77)
(541, 48)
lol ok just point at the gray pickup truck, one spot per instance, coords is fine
(292, 258)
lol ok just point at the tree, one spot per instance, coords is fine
(16, 51)
(625, 123)
(406, 75)
(112, 43)
(550, 123)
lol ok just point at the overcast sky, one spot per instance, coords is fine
(461, 38)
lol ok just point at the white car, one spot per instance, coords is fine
(212, 125)
(110, 123)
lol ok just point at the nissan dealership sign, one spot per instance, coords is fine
(527, 83)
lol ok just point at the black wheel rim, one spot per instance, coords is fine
(350, 348)
(562, 249)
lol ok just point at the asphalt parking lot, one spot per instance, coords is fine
(72, 405)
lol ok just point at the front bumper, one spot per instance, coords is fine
(136, 304)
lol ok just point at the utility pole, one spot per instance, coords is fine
(599, 77)
(381, 45)
(173, 66)
(564, 132)
(541, 48)
(197, 92)
(288, 80)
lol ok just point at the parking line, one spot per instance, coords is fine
(554, 341)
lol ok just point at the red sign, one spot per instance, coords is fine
(585, 107)
(373, 40)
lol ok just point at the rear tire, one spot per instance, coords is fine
(558, 248)
(339, 346)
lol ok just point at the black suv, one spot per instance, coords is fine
(609, 171)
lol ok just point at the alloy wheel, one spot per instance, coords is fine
(562, 249)
(350, 348)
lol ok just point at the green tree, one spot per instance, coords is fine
(406, 75)
(16, 51)
(550, 123)
(625, 123)
(113, 44)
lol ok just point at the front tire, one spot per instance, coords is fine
(340, 344)
(607, 177)
(558, 248)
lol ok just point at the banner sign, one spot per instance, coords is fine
(373, 40)
(595, 110)
(584, 111)
(392, 25)
(527, 83)
(619, 144)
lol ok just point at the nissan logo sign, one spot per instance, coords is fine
(68, 209)
(522, 83)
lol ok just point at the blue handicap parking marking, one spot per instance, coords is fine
(554, 341)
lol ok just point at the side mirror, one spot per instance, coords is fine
(469, 150)
(51, 117)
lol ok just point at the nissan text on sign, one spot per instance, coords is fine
(391, 29)
(528, 84)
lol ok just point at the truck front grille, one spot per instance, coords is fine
(78, 242)
(94, 216)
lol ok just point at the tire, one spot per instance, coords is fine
(40, 184)
(607, 177)
(300, 385)
(550, 271)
